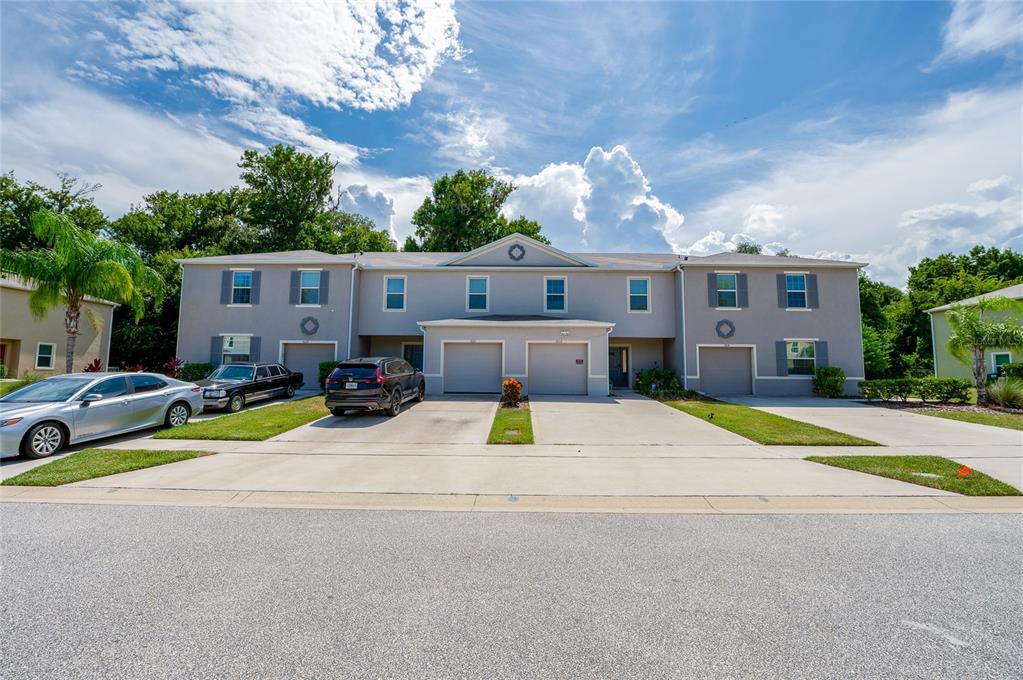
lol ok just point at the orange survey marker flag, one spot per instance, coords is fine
(963, 471)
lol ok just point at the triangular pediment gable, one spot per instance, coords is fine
(516, 250)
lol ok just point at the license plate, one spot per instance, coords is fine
(351, 386)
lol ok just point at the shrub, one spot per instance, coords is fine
(3, 371)
(829, 381)
(172, 369)
(195, 370)
(945, 390)
(952, 389)
(1007, 392)
(903, 388)
(658, 381)
(511, 392)
(929, 389)
(324, 368)
(1013, 370)
(94, 366)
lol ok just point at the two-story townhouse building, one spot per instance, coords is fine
(562, 323)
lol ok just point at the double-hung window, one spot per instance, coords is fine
(999, 359)
(555, 294)
(309, 288)
(477, 293)
(800, 355)
(236, 349)
(639, 294)
(241, 287)
(795, 291)
(45, 354)
(728, 290)
(394, 293)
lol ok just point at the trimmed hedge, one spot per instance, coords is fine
(944, 390)
(829, 381)
(662, 384)
(195, 370)
(1013, 370)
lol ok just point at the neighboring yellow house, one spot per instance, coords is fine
(947, 366)
(31, 345)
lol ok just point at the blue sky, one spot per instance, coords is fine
(877, 131)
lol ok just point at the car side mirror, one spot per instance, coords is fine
(89, 398)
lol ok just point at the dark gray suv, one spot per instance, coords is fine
(373, 384)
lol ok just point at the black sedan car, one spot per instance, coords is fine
(372, 384)
(232, 386)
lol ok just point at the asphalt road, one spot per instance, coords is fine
(160, 592)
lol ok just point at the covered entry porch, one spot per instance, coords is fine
(548, 355)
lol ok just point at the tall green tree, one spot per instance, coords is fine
(78, 264)
(19, 201)
(464, 212)
(974, 332)
(749, 248)
(342, 232)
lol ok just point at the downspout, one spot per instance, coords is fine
(607, 364)
(351, 307)
(685, 347)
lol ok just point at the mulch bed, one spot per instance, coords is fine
(920, 406)
(523, 404)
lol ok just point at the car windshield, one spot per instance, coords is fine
(51, 389)
(228, 372)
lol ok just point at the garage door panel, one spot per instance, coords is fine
(472, 367)
(557, 368)
(726, 370)
(306, 358)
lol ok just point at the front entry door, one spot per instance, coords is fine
(618, 365)
(414, 355)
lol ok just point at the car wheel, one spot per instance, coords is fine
(338, 412)
(236, 403)
(43, 440)
(394, 408)
(289, 391)
(177, 415)
(421, 392)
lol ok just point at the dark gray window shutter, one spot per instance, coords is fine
(293, 296)
(820, 353)
(712, 289)
(216, 350)
(254, 299)
(743, 290)
(811, 292)
(254, 343)
(225, 288)
(781, 358)
(324, 286)
(783, 298)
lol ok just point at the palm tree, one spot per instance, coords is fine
(77, 265)
(973, 334)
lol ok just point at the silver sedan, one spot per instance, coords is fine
(39, 419)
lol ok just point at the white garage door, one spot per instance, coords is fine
(557, 368)
(306, 358)
(472, 367)
(726, 370)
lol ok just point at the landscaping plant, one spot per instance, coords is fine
(323, 370)
(172, 369)
(94, 366)
(973, 333)
(829, 381)
(511, 392)
(660, 383)
(1007, 392)
(944, 390)
(195, 370)
(1013, 370)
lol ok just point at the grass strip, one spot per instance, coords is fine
(766, 428)
(255, 425)
(515, 421)
(931, 471)
(1009, 421)
(92, 463)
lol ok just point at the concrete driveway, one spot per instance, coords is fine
(627, 419)
(438, 420)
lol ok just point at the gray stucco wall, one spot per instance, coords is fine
(836, 321)
(273, 319)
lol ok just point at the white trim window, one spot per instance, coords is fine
(241, 287)
(998, 359)
(237, 349)
(800, 357)
(795, 291)
(639, 294)
(308, 287)
(727, 284)
(477, 293)
(394, 293)
(555, 298)
(46, 356)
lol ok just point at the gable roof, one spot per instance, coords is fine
(745, 260)
(1012, 292)
(461, 258)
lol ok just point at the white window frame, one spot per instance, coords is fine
(486, 308)
(235, 287)
(628, 295)
(53, 356)
(717, 290)
(813, 343)
(994, 363)
(223, 336)
(404, 292)
(805, 292)
(319, 279)
(546, 309)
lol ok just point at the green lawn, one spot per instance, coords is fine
(933, 471)
(92, 463)
(511, 420)
(766, 428)
(253, 425)
(1007, 420)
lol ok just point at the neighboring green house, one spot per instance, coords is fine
(945, 365)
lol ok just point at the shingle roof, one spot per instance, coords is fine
(282, 257)
(742, 259)
(1013, 292)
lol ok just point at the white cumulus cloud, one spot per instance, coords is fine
(976, 28)
(376, 205)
